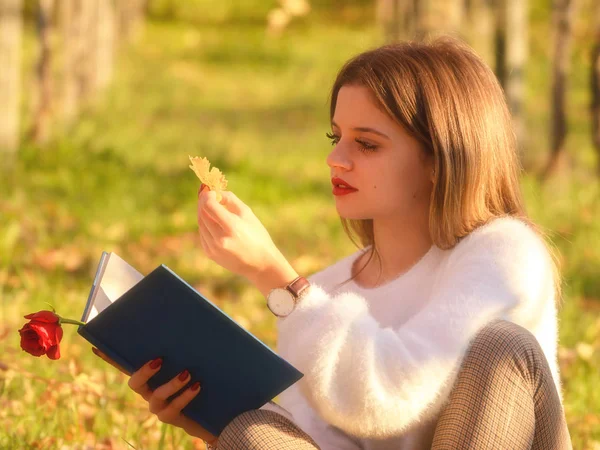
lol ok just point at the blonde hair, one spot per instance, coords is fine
(447, 98)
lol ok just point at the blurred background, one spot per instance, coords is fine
(102, 101)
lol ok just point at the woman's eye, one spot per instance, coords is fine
(364, 147)
(334, 139)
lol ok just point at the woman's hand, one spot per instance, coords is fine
(233, 237)
(167, 412)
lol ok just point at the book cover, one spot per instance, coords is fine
(161, 315)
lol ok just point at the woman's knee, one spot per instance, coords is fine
(505, 335)
(240, 433)
(263, 429)
(504, 345)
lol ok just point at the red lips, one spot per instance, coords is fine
(338, 182)
(340, 187)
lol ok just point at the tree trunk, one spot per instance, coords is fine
(130, 14)
(389, 19)
(595, 85)
(450, 16)
(11, 23)
(563, 11)
(400, 19)
(480, 28)
(422, 19)
(86, 73)
(105, 42)
(516, 57)
(69, 17)
(500, 41)
(41, 122)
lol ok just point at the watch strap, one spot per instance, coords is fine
(298, 287)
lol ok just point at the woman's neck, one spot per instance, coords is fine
(399, 249)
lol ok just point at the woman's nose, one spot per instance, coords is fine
(338, 159)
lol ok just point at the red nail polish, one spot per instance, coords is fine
(183, 375)
(155, 363)
(195, 386)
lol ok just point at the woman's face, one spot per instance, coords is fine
(377, 157)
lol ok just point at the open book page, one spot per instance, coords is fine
(117, 278)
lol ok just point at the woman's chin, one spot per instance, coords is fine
(350, 214)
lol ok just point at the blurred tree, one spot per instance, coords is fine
(41, 121)
(500, 41)
(11, 23)
(516, 57)
(480, 21)
(130, 15)
(595, 85)
(444, 17)
(86, 65)
(70, 26)
(456, 13)
(562, 19)
(408, 19)
(89, 31)
(391, 20)
(160, 9)
(89, 34)
(105, 42)
(279, 18)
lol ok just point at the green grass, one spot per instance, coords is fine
(257, 108)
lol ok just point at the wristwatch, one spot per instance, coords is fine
(282, 301)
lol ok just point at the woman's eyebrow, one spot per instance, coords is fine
(364, 129)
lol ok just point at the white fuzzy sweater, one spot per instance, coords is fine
(379, 363)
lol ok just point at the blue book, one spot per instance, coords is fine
(134, 318)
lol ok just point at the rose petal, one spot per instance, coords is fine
(54, 352)
(43, 316)
(30, 335)
(59, 334)
(26, 328)
(46, 339)
(33, 347)
(35, 351)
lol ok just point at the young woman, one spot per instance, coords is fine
(441, 330)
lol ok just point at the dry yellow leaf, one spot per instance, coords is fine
(213, 178)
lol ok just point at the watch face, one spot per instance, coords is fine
(281, 302)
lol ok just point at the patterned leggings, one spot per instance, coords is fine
(504, 398)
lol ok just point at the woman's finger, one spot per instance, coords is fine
(182, 400)
(216, 229)
(218, 212)
(103, 356)
(139, 379)
(202, 214)
(161, 394)
(171, 412)
(203, 240)
(206, 236)
(233, 203)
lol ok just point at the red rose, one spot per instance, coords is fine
(42, 334)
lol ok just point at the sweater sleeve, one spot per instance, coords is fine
(374, 382)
